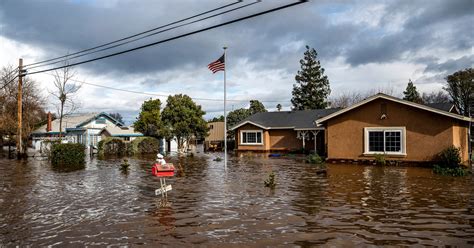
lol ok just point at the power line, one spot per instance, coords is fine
(138, 34)
(175, 37)
(11, 72)
(146, 36)
(161, 95)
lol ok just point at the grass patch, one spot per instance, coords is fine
(445, 171)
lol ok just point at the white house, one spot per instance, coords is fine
(87, 129)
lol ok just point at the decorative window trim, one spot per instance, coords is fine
(402, 130)
(250, 131)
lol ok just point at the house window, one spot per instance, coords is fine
(388, 140)
(251, 137)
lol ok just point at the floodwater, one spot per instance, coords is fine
(350, 206)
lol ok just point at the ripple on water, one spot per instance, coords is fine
(350, 206)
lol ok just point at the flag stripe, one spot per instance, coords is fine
(218, 65)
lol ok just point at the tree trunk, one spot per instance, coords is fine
(61, 122)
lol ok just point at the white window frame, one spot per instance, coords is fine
(250, 131)
(402, 130)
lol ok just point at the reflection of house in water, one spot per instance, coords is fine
(86, 129)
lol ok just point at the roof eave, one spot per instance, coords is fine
(390, 98)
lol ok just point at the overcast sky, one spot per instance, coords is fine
(363, 46)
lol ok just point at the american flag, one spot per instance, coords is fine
(218, 65)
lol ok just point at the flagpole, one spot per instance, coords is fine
(225, 111)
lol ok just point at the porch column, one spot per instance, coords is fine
(315, 133)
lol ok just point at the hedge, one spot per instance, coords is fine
(144, 145)
(68, 156)
(112, 146)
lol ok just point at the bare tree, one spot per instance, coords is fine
(65, 90)
(33, 106)
(348, 99)
(435, 97)
(345, 100)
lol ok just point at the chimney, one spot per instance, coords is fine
(48, 126)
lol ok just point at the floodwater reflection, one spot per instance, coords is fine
(350, 206)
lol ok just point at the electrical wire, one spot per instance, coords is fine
(138, 34)
(175, 37)
(11, 81)
(161, 95)
(146, 36)
(10, 73)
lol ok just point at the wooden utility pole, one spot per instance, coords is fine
(19, 145)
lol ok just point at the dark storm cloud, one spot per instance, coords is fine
(64, 27)
(451, 65)
(428, 24)
(67, 26)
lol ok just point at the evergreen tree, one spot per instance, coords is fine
(183, 119)
(312, 89)
(116, 116)
(278, 107)
(149, 121)
(411, 94)
(256, 107)
(217, 119)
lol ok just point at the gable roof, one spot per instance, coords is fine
(116, 131)
(298, 119)
(95, 116)
(74, 122)
(445, 106)
(71, 121)
(394, 99)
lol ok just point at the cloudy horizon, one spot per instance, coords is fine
(362, 45)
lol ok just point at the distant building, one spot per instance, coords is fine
(282, 131)
(215, 138)
(86, 129)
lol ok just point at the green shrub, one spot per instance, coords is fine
(446, 171)
(380, 159)
(124, 166)
(450, 157)
(145, 145)
(450, 163)
(68, 155)
(314, 159)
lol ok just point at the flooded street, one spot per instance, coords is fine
(352, 205)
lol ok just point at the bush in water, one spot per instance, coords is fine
(68, 155)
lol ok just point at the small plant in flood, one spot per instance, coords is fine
(314, 159)
(124, 166)
(218, 159)
(270, 181)
(380, 159)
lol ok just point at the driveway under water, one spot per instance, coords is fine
(352, 205)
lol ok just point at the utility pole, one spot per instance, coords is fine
(19, 145)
